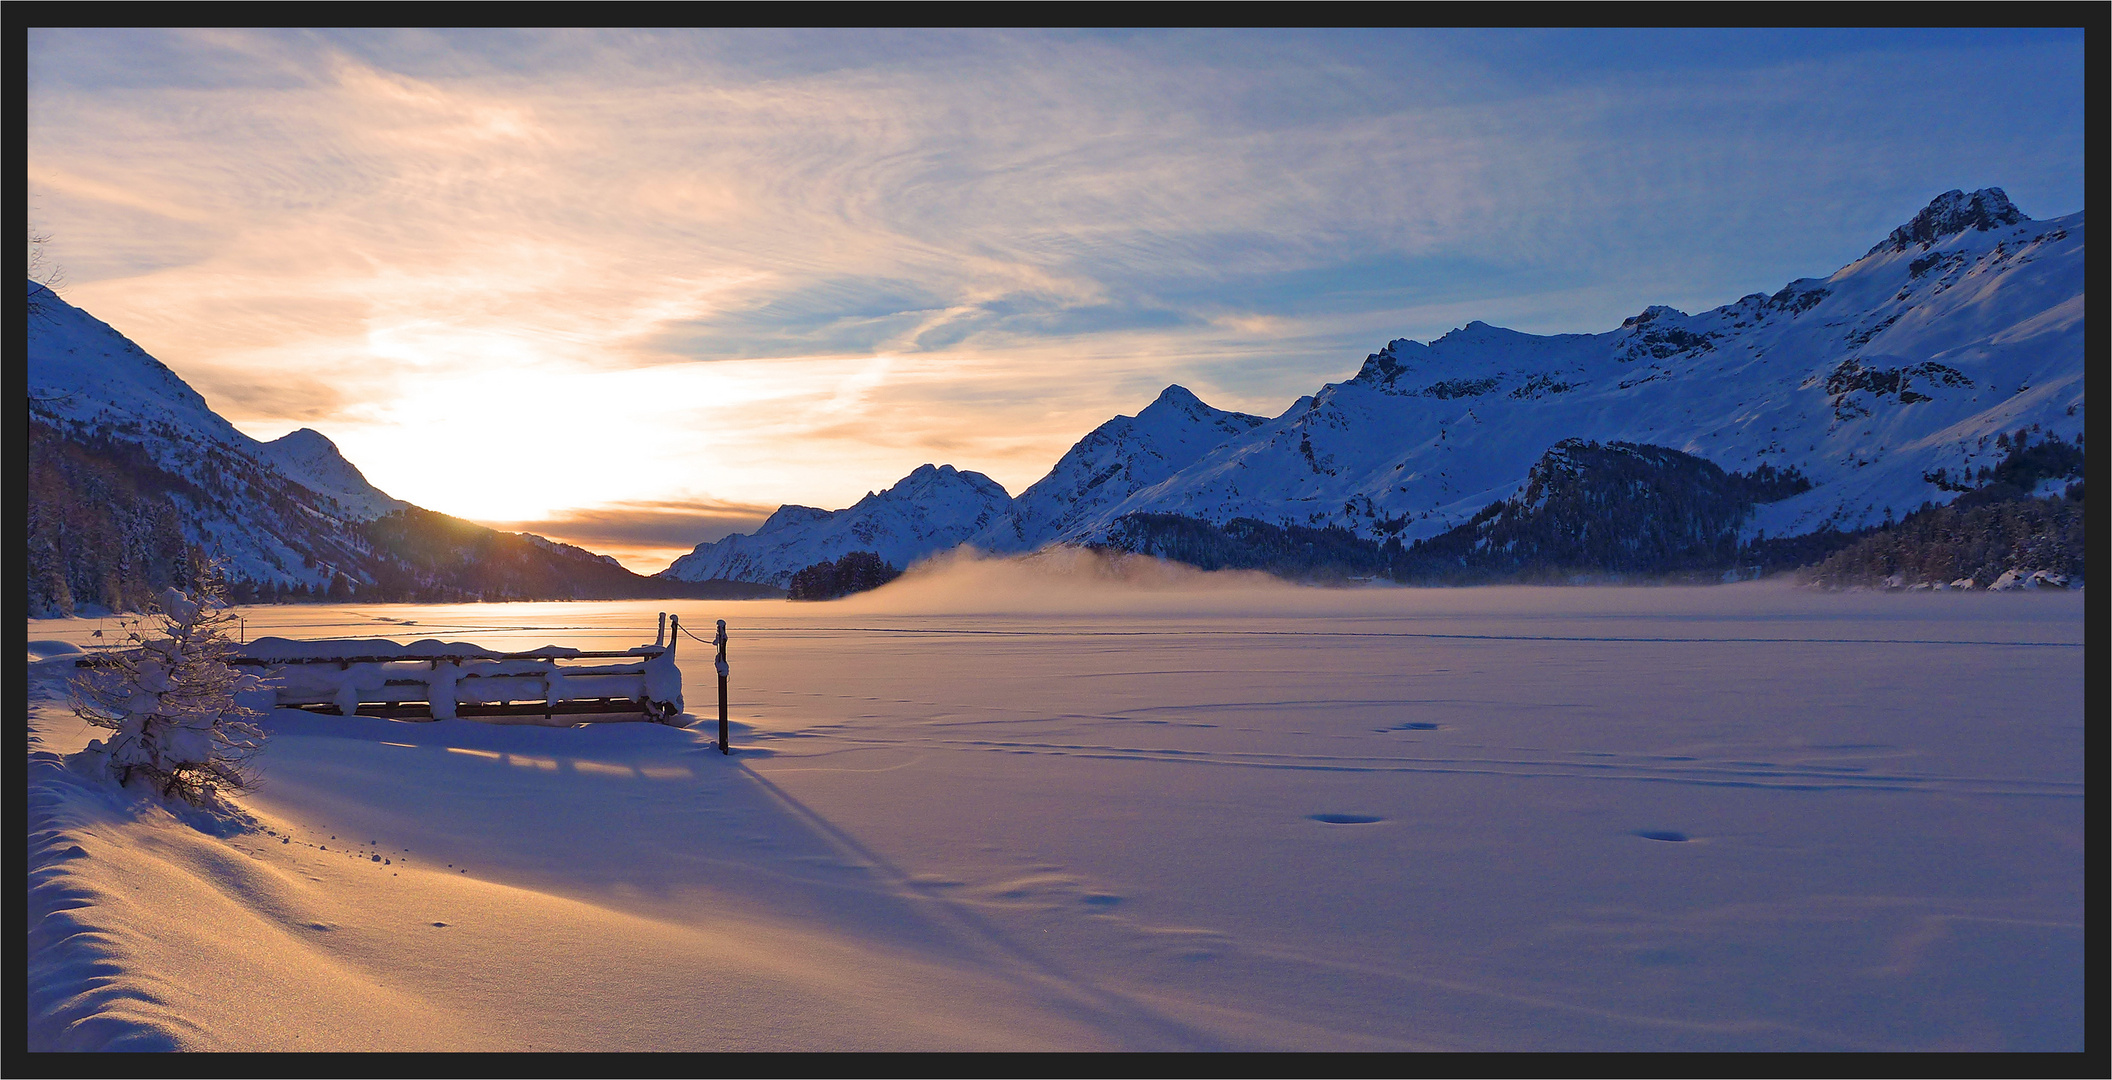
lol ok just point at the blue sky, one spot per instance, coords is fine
(799, 264)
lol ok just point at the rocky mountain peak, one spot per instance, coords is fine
(1951, 213)
(1387, 364)
(791, 515)
(308, 456)
(1176, 396)
(305, 441)
(928, 481)
(1652, 314)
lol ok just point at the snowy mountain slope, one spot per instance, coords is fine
(1965, 322)
(1619, 509)
(931, 509)
(84, 373)
(278, 512)
(935, 509)
(1115, 461)
(312, 459)
(129, 468)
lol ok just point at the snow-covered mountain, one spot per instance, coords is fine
(1113, 463)
(1964, 323)
(280, 512)
(130, 472)
(308, 456)
(1871, 383)
(932, 509)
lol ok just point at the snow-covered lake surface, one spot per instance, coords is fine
(1029, 806)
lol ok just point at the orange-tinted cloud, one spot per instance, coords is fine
(510, 273)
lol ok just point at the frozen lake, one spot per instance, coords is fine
(1027, 806)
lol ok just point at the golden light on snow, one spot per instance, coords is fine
(1469, 817)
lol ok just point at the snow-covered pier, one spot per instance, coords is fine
(444, 680)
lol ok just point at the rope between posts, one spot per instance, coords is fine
(725, 747)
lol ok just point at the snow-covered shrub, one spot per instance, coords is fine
(170, 702)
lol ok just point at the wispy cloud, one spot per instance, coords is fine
(616, 268)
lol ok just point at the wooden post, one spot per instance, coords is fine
(720, 663)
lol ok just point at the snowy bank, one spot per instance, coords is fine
(1735, 818)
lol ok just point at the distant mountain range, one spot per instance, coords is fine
(132, 479)
(1834, 403)
(1674, 442)
(931, 509)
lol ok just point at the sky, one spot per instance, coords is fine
(634, 290)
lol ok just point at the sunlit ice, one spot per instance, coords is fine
(1473, 815)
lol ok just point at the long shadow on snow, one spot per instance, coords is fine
(1111, 1010)
(639, 817)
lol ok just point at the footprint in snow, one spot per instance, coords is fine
(1666, 835)
(1347, 819)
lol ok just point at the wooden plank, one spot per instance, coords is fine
(249, 661)
(98, 659)
(419, 710)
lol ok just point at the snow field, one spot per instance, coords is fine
(1006, 804)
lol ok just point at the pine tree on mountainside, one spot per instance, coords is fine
(855, 572)
(101, 529)
(1984, 533)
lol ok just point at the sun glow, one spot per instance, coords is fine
(510, 275)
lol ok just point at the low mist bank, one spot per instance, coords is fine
(1080, 581)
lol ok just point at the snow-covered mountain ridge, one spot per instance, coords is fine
(931, 509)
(1965, 322)
(130, 471)
(277, 511)
(1908, 360)
(1113, 463)
(936, 507)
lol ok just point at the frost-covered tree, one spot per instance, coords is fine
(171, 701)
